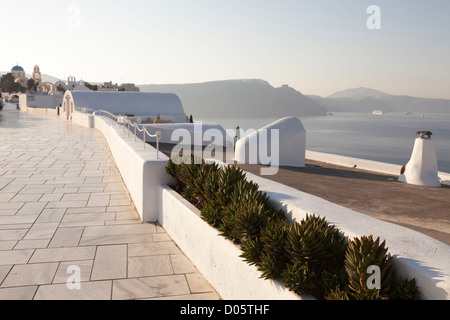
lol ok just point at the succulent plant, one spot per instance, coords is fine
(334, 280)
(406, 290)
(312, 256)
(337, 294)
(300, 278)
(212, 213)
(314, 241)
(273, 256)
(243, 221)
(361, 254)
(319, 247)
(252, 250)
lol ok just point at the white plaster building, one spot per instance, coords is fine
(291, 144)
(142, 105)
(109, 86)
(72, 84)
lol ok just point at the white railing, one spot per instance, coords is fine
(125, 122)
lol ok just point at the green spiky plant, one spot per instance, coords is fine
(251, 251)
(406, 290)
(337, 294)
(218, 190)
(361, 254)
(273, 256)
(247, 213)
(242, 221)
(316, 247)
(311, 256)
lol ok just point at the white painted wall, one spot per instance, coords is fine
(369, 165)
(199, 133)
(214, 256)
(350, 162)
(416, 255)
(39, 101)
(141, 170)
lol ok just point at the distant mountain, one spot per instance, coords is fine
(367, 100)
(240, 98)
(359, 93)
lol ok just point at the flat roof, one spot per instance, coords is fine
(137, 103)
(382, 196)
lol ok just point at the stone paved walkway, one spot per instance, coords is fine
(64, 209)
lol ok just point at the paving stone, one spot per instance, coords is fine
(63, 254)
(15, 257)
(114, 239)
(149, 266)
(152, 248)
(30, 274)
(7, 245)
(197, 283)
(41, 231)
(96, 290)
(181, 264)
(194, 296)
(98, 201)
(149, 287)
(4, 270)
(15, 234)
(63, 273)
(66, 237)
(120, 229)
(32, 208)
(64, 205)
(32, 244)
(110, 263)
(51, 215)
(18, 293)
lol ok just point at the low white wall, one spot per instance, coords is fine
(23, 104)
(197, 133)
(215, 257)
(369, 165)
(141, 170)
(416, 255)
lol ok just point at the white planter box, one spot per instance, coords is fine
(216, 257)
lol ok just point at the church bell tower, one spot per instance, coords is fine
(37, 75)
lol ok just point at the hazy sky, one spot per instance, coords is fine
(316, 46)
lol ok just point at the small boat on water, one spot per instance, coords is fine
(377, 112)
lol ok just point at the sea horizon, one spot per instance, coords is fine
(389, 138)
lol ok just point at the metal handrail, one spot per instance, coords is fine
(119, 119)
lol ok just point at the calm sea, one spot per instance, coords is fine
(388, 138)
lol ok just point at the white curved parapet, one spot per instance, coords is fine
(416, 255)
(422, 168)
(284, 139)
(363, 164)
